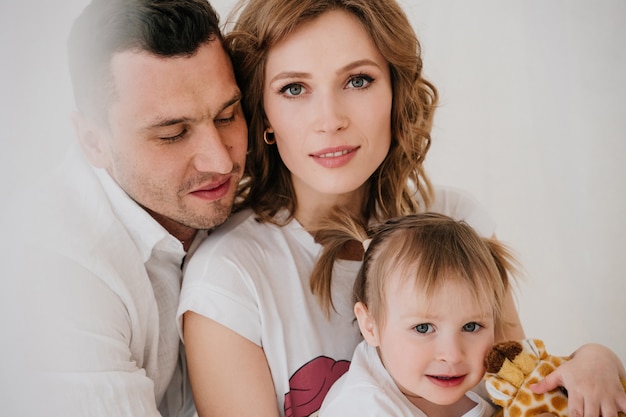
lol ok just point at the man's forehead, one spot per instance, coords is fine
(162, 89)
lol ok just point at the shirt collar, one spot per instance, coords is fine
(144, 230)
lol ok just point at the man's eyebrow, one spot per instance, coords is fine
(236, 98)
(161, 122)
(166, 122)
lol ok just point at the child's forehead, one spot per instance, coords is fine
(443, 307)
(450, 288)
(412, 278)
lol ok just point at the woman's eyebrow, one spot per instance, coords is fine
(359, 63)
(290, 74)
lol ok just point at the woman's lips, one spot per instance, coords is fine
(334, 157)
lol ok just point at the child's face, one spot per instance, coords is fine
(435, 355)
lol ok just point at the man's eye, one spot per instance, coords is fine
(175, 137)
(225, 120)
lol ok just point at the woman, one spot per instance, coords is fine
(339, 114)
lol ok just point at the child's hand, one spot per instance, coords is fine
(592, 380)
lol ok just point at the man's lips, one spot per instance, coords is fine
(213, 190)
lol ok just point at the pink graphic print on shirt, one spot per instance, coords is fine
(309, 385)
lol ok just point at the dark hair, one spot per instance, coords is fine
(165, 28)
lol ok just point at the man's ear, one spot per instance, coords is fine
(91, 139)
(367, 324)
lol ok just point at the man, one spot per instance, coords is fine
(101, 242)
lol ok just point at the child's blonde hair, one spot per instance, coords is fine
(431, 248)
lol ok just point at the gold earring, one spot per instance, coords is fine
(270, 141)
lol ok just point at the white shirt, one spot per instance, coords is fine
(101, 281)
(367, 389)
(254, 279)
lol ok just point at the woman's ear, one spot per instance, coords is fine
(367, 324)
(91, 139)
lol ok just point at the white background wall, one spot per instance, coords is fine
(532, 122)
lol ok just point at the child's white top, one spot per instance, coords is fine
(367, 389)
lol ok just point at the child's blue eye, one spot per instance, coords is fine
(423, 328)
(471, 327)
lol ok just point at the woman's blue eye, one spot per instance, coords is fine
(292, 89)
(423, 328)
(471, 327)
(360, 81)
(295, 90)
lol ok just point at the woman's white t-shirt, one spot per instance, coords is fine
(253, 278)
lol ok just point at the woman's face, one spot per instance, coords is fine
(327, 96)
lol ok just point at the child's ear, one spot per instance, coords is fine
(91, 139)
(367, 324)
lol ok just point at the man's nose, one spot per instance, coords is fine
(211, 152)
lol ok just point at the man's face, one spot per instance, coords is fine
(177, 137)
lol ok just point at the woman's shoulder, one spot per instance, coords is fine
(242, 225)
(234, 233)
(229, 251)
(244, 236)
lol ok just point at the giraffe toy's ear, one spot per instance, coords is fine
(535, 347)
(501, 391)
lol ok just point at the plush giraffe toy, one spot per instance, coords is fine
(512, 367)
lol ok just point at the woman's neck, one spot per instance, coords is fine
(310, 210)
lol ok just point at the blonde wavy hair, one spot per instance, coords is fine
(399, 186)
